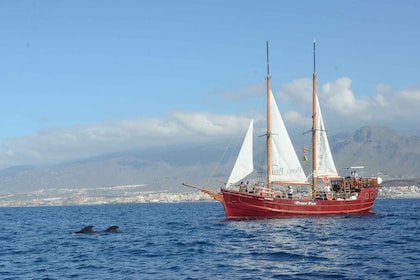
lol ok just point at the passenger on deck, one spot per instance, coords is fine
(327, 189)
(256, 189)
(290, 192)
(354, 174)
(248, 187)
(242, 187)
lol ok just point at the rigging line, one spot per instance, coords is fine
(260, 159)
(233, 148)
(219, 161)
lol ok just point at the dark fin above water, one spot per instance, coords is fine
(88, 229)
(112, 229)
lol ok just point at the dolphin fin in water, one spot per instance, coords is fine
(88, 229)
(112, 229)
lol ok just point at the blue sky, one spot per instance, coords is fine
(80, 78)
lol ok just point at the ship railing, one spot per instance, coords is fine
(359, 183)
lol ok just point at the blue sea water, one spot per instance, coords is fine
(194, 241)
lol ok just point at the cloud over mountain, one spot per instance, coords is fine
(68, 143)
(342, 110)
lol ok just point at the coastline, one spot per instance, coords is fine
(136, 194)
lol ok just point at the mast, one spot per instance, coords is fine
(314, 130)
(269, 167)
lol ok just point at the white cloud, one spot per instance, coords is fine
(409, 97)
(297, 92)
(343, 110)
(340, 99)
(60, 144)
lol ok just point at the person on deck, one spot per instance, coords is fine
(290, 192)
(356, 175)
(327, 189)
(248, 187)
(242, 187)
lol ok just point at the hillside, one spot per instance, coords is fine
(160, 169)
(381, 150)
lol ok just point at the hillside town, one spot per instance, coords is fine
(136, 194)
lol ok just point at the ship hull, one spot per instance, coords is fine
(240, 205)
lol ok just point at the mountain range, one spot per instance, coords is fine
(381, 150)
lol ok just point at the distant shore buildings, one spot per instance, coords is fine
(135, 194)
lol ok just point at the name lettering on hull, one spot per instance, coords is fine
(308, 203)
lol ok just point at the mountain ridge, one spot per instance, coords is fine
(383, 151)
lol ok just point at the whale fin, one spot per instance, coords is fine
(112, 229)
(88, 229)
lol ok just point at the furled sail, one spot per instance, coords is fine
(244, 164)
(285, 163)
(325, 166)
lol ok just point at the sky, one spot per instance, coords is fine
(84, 78)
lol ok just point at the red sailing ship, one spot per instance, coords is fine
(286, 191)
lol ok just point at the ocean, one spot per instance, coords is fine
(195, 241)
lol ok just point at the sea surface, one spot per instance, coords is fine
(194, 241)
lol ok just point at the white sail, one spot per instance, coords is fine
(285, 163)
(244, 164)
(325, 166)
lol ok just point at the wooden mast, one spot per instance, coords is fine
(314, 131)
(269, 167)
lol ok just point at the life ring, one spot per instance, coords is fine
(326, 180)
(329, 196)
